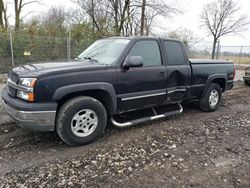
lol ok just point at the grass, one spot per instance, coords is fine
(241, 60)
(4, 68)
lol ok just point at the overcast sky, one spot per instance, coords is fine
(189, 19)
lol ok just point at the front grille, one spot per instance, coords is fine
(14, 78)
(11, 91)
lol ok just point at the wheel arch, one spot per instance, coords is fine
(103, 92)
(220, 79)
(221, 82)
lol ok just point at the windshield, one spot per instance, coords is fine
(104, 51)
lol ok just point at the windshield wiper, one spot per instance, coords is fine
(90, 58)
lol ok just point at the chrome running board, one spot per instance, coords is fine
(150, 118)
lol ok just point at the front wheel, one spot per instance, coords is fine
(81, 120)
(211, 100)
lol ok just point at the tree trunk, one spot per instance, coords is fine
(147, 27)
(143, 16)
(19, 4)
(128, 24)
(1, 13)
(214, 47)
(5, 18)
(17, 15)
(116, 18)
(17, 22)
(93, 24)
(123, 16)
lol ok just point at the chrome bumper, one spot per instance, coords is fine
(34, 120)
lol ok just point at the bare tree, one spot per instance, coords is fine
(54, 21)
(95, 11)
(186, 35)
(150, 9)
(1, 14)
(55, 16)
(106, 14)
(143, 12)
(221, 18)
(120, 9)
(123, 17)
(19, 5)
(132, 23)
(5, 17)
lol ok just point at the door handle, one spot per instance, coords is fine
(162, 73)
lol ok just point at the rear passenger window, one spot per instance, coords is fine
(149, 51)
(174, 53)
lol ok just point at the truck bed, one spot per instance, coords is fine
(203, 68)
(209, 61)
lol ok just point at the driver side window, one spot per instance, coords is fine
(149, 51)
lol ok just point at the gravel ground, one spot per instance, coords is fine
(194, 149)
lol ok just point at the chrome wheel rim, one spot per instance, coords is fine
(84, 122)
(214, 98)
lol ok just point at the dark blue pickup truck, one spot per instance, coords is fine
(112, 77)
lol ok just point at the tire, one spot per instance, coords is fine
(208, 103)
(81, 120)
(246, 83)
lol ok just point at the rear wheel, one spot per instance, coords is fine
(211, 100)
(81, 121)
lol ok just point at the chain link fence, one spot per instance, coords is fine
(5, 52)
(19, 48)
(237, 54)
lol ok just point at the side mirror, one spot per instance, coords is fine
(133, 61)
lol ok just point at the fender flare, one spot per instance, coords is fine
(210, 80)
(107, 87)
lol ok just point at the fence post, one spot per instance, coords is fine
(241, 48)
(11, 49)
(68, 44)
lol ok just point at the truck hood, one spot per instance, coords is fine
(42, 69)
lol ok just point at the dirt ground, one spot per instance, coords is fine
(194, 149)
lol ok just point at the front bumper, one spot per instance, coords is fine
(30, 117)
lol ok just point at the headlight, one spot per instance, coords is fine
(26, 91)
(26, 96)
(27, 82)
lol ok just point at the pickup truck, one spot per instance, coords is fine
(113, 76)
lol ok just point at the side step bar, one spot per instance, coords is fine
(150, 118)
